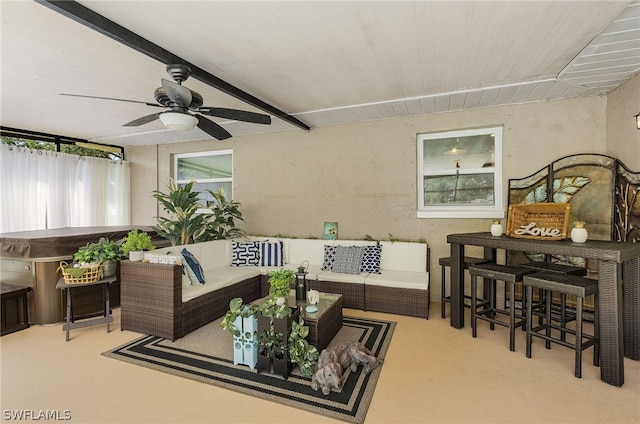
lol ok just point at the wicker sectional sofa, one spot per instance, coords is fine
(402, 287)
(157, 299)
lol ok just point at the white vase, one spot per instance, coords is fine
(280, 300)
(578, 234)
(496, 229)
(136, 255)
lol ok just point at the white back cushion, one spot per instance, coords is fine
(213, 254)
(403, 256)
(311, 250)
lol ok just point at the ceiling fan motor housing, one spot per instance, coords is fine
(161, 97)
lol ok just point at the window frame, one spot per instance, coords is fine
(178, 156)
(496, 210)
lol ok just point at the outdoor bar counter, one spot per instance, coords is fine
(618, 285)
(31, 258)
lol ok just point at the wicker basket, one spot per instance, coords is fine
(539, 221)
(73, 275)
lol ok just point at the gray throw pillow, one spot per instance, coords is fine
(348, 259)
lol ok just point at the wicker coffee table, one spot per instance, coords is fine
(323, 324)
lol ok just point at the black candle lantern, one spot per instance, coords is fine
(301, 283)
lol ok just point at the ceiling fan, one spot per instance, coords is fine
(186, 107)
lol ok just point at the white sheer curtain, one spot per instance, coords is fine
(40, 189)
(60, 172)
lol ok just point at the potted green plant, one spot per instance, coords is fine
(222, 224)
(241, 321)
(135, 243)
(237, 310)
(273, 324)
(105, 252)
(86, 254)
(302, 353)
(183, 225)
(280, 281)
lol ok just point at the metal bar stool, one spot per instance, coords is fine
(444, 298)
(511, 275)
(566, 284)
(563, 316)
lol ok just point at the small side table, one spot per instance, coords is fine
(69, 318)
(14, 307)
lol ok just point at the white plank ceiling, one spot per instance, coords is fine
(325, 63)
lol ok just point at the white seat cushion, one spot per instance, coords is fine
(340, 277)
(218, 278)
(232, 274)
(399, 279)
(191, 292)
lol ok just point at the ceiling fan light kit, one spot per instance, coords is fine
(177, 121)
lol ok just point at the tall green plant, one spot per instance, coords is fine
(183, 225)
(225, 213)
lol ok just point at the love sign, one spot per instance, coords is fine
(541, 221)
(533, 230)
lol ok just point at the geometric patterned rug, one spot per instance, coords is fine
(206, 355)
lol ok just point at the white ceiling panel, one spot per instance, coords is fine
(325, 63)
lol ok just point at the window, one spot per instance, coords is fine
(460, 174)
(210, 170)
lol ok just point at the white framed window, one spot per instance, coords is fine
(210, 170)
(460, 174)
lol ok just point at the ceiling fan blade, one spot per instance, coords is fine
(112, 98)
(236, 115)
(212, 128)
(143, 120)
(178, 94)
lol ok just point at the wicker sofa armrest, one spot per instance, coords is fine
(151, 299)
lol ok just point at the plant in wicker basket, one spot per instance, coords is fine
(105, 252)
(78, 273)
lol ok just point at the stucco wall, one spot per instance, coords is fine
(623, 137)
(144, 179)
(364, 175)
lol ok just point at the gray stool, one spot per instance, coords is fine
(446, 262)
(511, 275)
(565, 284)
